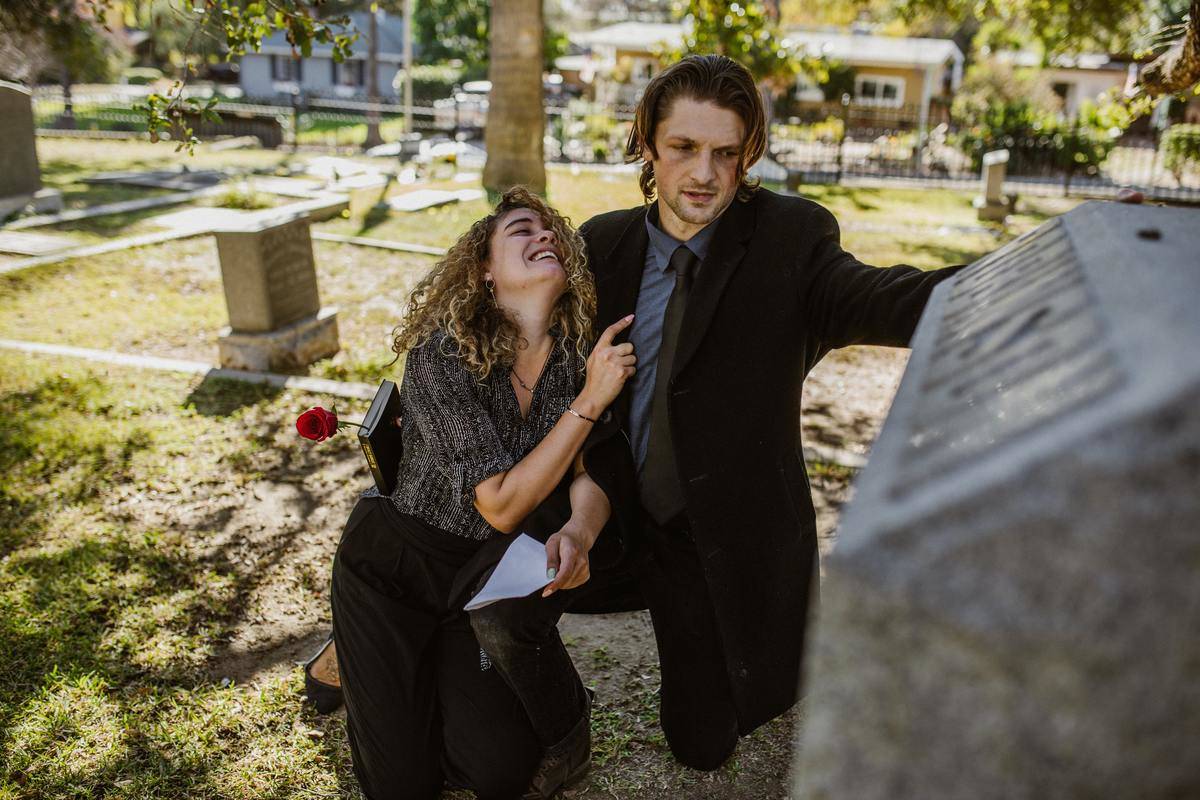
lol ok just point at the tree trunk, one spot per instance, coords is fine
(516, 120)
(1178, 69)
(373, 136)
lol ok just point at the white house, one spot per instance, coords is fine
(274, 71)
(1075, 78)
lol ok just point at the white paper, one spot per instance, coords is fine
(522, 570)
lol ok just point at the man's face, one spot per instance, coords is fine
(698, 145)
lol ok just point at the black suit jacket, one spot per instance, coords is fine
(775, 294)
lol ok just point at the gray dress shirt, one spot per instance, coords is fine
(646, 334)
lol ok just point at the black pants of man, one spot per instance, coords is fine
(422, 705)
(697, 712)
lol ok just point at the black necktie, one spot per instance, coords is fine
(662, 493)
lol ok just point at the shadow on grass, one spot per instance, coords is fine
(860, 197)
(107, 626)
(947, 255)
(221, 397)
(380, 213)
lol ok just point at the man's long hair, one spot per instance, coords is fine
(716, 79)
(454, 299)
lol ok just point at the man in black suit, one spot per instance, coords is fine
(737, 293)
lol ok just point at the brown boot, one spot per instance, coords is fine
(567, 761)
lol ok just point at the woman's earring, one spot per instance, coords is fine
(491, 286)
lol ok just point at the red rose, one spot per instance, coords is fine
(317, 424)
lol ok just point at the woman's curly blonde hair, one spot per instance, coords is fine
(453, 298)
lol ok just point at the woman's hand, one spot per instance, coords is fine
(608, 367)
(567, 555)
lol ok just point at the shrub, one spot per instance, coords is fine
(435, 81)
(243, 196)
(1000, 107)
(141, 76)
(1181, 149)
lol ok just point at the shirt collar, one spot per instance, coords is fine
(664, 244)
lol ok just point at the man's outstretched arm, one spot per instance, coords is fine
(848, 302)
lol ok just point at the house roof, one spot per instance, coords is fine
(1084, 61)
(854, 48)
(631, 35)
(391, 39)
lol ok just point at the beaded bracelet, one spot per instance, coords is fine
(581, 416)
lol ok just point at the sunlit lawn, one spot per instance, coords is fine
(107, 622)
(167, 299)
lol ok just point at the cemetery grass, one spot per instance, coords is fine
(166, 299)
(165, 544)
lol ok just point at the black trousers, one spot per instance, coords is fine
(422, 706)
(697, 711)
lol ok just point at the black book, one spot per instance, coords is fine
(380, 437)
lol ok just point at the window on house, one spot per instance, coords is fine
(286, 68)
(880, 90)
(349, 73)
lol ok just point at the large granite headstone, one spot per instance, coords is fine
(270, 279)
(1012, 609)
(20, 176)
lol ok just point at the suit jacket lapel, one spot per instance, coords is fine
(618, 285)
(621, 277)
(724, 256)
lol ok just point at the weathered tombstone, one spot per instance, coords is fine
(421, 199)
(275, 316)
(35, 244)
(20, 177)
(182, 179)
(364, 192)
(992, 205)
(1012, 609)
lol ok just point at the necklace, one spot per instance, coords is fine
(525, 386)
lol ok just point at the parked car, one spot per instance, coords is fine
(465, 110)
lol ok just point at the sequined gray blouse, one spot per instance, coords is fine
(459, 431)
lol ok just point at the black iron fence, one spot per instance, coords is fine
(836, 142)
(826, 142)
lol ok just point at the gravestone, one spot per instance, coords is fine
(364, 192)
(421, 199)
(1012, 609)
(35, 244)
(20, 176)
(182, 179)
(276, 321)
(992, 205)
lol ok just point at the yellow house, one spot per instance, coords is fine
(620, 59)
(889, 71)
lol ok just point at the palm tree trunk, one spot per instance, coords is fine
(373, 136)
(1178, 69)
(516, 120)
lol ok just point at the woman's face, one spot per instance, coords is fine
(525, 258)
